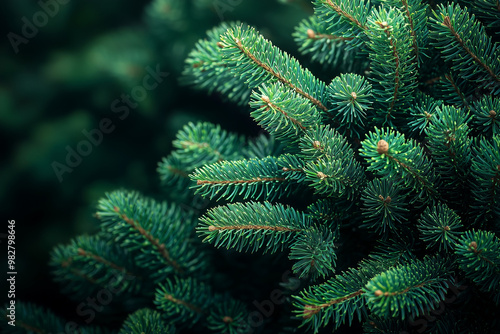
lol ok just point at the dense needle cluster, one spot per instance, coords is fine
(383, 186)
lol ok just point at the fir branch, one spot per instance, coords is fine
(479, 257)
(331, 212)
(337, 7)
(422, 112)
(344, 18)
(395, 76)
(486, 180)
(283, 113)
(488, 11)
(88, 264)
(253, 178)
(414, 12)
(325, 141)
(330, 50)
(248, 55)
(31, 318)
(389, 154)
(349, 98)
(314, 251)
(205, 143)
(161, 231)
(206, 70)
(408, 290)
(340, 299)
(439, 225)
(146, 321)
(462, 41)
(486, 115)
(335, 177)
(449, 145)
(398, 251)
(331, 167)
(228, 316)
(384, 206)
(185, 301)
(174, 174)
(155, 242)
(252, 225)
(456, 88)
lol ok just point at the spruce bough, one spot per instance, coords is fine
(401, 152)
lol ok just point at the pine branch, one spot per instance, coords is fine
(332, 51)
(146, 321)
(479, 257)
(350, 98)
(206, 70)
(347, 19)
(263, 146)
(394, 79)
(205, 143)
(89, 264)
(253, 178)
(390, 155)
(463, 42)
(340, 299)
(486, 180)
(161, 231)
(256, 60)
(384, 206)
(414, 12)
(283, 113)
(314, 251)
(252, 226)
(486, 116)
(449, 144)
(439, 226)
(408, 290)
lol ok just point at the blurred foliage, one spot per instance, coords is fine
(64, 80)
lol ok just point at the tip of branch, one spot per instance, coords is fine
(311, 33)
(382, 147)
(446, 21)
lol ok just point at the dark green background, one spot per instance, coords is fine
(63, 81)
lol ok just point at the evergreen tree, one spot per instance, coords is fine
(383, 185)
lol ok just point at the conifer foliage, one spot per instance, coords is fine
(382, 186)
